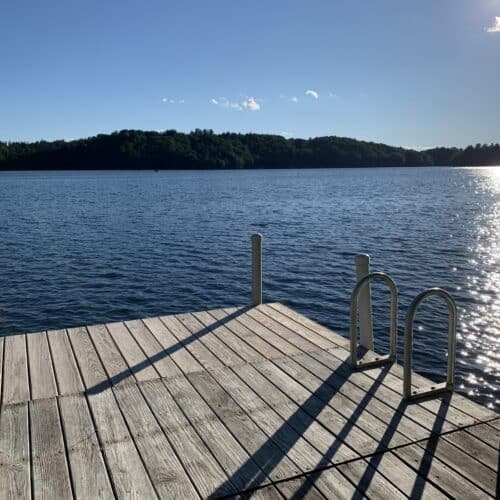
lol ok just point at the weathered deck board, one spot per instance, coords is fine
(65, 367)
(43, 382)
(88, 471)
(16, 384)
(243, 402)
(15, 470)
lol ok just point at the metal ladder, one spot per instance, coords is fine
(362, 263)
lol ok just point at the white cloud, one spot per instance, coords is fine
(312, 93)
(495, 27)
(294, 99)
(251, 104)
(285, 134)
(164, 99)
(181, 101)
(332, 94)
(235, 105)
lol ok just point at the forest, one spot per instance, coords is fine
(204, 149)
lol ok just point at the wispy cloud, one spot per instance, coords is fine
(294, 99)
(167, 100)
(312, 93)
(251, 104)
(495, 27)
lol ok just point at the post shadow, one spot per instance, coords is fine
(115, 379)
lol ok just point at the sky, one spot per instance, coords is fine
(413, 74)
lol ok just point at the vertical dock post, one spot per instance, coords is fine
(365, 303)
(256, 269)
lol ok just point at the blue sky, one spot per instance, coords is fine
(414, 74)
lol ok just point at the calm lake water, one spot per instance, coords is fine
(87, 247)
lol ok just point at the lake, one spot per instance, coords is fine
(88, 247)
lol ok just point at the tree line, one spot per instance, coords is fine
(203, 149)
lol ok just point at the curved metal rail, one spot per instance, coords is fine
(408, 392)
(379, 360)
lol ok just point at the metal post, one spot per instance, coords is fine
(256, 269)
(365, 303)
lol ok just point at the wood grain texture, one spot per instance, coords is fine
(158, 356)
(50, 466)
(15, 385)
(226, 449)
(198, 461)
(88, 471)
(15, 473)
(191, 342)
(43, 383)
(138, 363)
(128, 474)
(181, 356)
(264, 451)
(219, 330)
(114, 364)
(164, 468)
(65, 367)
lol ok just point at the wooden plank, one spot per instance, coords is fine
(234, 459)
(320, 378)
(463, 463)
(165, 470)
(264, 451)
(88, 471)
(202, 468)
(281, 344)
(138, 363)
(14, 452)
(264, 313)
(457, 401)
(383, 435)
(307, 425)
(219, 330)
(486, 434)
(114, 364)
(65, 367)
(311, 325)
(16, 385)
(50, 467)
(203, 355)
(158, 356)
(128, 474)
(366, 473)
(449, 417)
(291, 442)
(244, 334)
(323, 364)
(430, 468)
(42, 379)
(181, 356)
(93, 373)
(226, 355)
(302, 488)
(476, 448)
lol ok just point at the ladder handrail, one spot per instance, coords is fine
(408, 343)
(394, 318)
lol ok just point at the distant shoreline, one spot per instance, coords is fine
(205, 150)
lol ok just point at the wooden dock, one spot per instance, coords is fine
(236, 402)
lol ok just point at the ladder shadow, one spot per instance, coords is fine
(266, 455)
